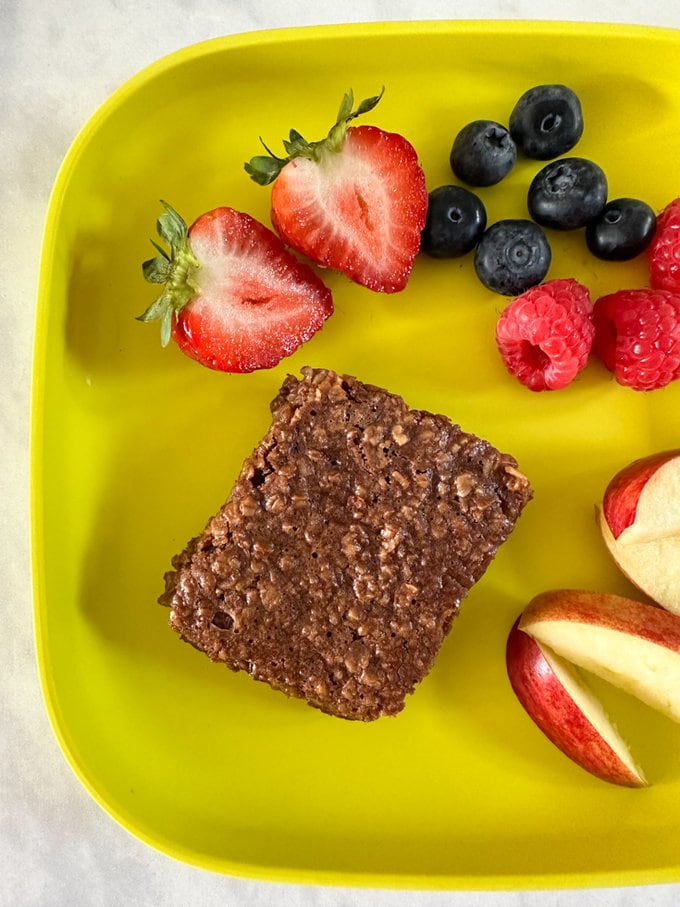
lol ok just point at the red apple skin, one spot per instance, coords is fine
(647, 621)
(555, 713)
(621, 496)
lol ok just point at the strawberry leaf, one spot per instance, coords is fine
(368, 104)
(157, 270)
(336, 135)
(160, 249)
(163, 310)
(156, 310)
(345, 106)
(166, 326)
(176, 271)
(171, 227)
(263, 169)
(296, 146)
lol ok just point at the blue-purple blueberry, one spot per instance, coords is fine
(547, 121)
(622, 231)
(512, 256)
(483, 153)
(456, 219)
(568, 193)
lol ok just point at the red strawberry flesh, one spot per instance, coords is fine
(254, 303)
(359, 210)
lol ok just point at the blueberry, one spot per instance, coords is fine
(512, 256)
(547, 121)
(456, 219)
(623, 230)
(483, 153)
(568, 193)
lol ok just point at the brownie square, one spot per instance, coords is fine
(335, 569)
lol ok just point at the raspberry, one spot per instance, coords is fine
(637, 336)
(545, 335)
(664, 251)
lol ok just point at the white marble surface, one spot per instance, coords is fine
(58, 62)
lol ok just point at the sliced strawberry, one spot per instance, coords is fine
(355, 201)
(235, 299)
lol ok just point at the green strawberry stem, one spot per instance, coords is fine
(264, 168)
(174, 271)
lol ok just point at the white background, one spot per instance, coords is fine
(59, 60)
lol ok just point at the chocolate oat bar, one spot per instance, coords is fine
(354, 530)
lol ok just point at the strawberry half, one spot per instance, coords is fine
(355, 201)
(234, 299)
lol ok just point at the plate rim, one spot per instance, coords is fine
(224, 43)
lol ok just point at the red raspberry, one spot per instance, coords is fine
(664, 251)
(544, 336)
(637, 336)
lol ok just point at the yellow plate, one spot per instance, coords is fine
(134, 447)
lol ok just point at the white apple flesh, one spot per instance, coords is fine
(633, 645)
(653, 566)
(640, 524)
(563, 707)
(642, 501)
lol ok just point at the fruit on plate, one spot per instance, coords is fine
(637, 337)
(512, 256)
(653, 566)
(634, 646)
(456, 219)
(558, 700)
(483, 153)
(547, 121)
(622, 231)
(566, 194)
(234, 298)
(545, 335)
(354, 201)
(664, 251)
(641, 503)
(640, 524)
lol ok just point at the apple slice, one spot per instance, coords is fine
(632, 645)
(560, 703)
(653, 566)
(642, 501)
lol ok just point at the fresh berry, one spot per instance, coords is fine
(637, 336)
(483, 153)
(355, 201)
(547, 121)
(622, 231)
(664, 252)
(566, 194)
(234, 298)
(456, 219)
(512, 256)
(545, 335)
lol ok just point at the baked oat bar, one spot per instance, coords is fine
(354, 530)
